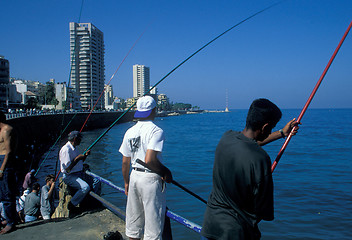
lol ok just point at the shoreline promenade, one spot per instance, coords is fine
(88, 226)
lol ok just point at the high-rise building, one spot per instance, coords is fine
(109, 95)
(141, 80)
(4, 81)
(87, 63)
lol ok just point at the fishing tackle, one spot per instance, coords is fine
(173, 182)
(310, 99)
(63, 116)
(179, 65)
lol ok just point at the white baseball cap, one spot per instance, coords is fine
(145, 105)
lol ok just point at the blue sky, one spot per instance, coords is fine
(280, 54)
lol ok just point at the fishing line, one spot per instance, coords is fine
(310, 99)
(103, 90)
(52, 147)
(200, 49)
(112, 78)
(66, 105)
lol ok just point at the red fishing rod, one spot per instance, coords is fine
(310, 99)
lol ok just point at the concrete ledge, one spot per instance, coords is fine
(86, 226)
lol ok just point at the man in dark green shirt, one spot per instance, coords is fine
(242, 193)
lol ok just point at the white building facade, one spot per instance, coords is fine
(141, 80)
(68, 99)
(108, 95)
(87, 52)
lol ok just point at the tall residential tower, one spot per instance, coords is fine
(141, 80)
(4, 81)
(87, 63)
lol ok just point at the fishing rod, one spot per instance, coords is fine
(52, 147)
(67, 94)
(179, 65)
(310, 99)
(112, 78)
(172, 181)
(63, 116)
(103, 90)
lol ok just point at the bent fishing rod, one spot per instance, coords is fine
(169, 73)
(310, 99)
(179, 65)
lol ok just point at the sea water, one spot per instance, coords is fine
(312, 182)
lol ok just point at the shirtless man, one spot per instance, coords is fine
(8, 143)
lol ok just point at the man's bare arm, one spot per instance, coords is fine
(152, 160)
(126, 172)
(281, 133)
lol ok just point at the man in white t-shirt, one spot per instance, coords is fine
(71, 163)
(146, 201)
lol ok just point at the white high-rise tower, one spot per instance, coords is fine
(141, 80)
(87, 63)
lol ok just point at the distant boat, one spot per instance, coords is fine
(227, 109)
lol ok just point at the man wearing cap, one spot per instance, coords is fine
(146, 201)
(71, 163)
(29, 179)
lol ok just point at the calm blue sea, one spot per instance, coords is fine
(312, 182)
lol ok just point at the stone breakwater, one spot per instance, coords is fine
(37, 133)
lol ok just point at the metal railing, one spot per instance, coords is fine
(189, 224)
(42, 113)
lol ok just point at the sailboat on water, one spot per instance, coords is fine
(227, 102)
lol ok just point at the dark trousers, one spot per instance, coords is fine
(8, 195)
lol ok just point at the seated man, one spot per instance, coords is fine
(47, 197)
(32, 204)
(72, 168)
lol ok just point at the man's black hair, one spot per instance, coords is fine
(49, 177)
(262, 111)
(2, 117)
(36, 186)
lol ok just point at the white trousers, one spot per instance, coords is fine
(146, 206)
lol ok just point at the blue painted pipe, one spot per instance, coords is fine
(191, 225)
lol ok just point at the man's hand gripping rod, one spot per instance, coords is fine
(172, 181)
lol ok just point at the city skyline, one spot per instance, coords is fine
(280, 54)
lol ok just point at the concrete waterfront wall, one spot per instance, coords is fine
(37, 133)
